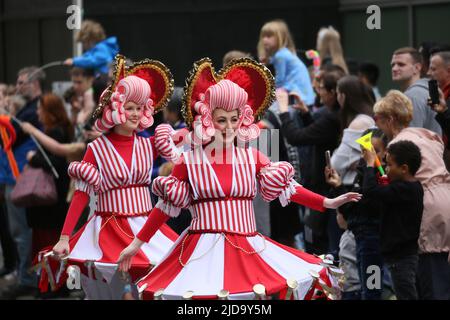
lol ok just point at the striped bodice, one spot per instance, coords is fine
(211, 208)
(123, 190)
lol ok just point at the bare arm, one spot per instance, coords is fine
(56, 148)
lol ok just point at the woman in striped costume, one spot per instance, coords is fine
(117, 167)
(221, 254)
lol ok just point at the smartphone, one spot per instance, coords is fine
(328, 158)
(292, 100)
(433, 91)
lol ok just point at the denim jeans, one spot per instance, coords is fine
(403, 272)
(21, 233)
(368, 254)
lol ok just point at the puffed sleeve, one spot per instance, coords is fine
(276, 180)
(165, 144)
(173, 191)
(85, 173)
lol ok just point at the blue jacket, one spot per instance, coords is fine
(98, 57)
(20, 154)
(23, 142)
(292, 75)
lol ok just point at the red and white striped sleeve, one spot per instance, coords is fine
(165, 144)
(173, 191)
(85, 173)
(276, 181)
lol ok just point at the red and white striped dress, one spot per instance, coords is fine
(123, 203)
(222, 250)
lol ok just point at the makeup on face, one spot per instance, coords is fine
(226, 122)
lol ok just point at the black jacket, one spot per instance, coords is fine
(323, 134)
(52, 217)
(284, 221)
(402, 208)
(361, 215)
(29, 114)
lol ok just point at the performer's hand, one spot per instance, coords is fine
(369, 156)
(343, 199)
(61, 249)
(282, 99)
(332, 177)
(128, 253)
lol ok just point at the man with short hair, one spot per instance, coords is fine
(406, 66)
(440, 71)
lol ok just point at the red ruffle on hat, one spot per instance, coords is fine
(154, 72)
(248, 74)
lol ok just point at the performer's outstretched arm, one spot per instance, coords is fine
(318, 202)
(276, 181)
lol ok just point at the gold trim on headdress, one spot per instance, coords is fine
(265, 74)
(121, 71)
(203, 70)
(163, 71)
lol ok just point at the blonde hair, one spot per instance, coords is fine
(91, 32)
(397, 105)
(329, 45)
(280, 30)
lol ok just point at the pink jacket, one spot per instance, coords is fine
(435, 228)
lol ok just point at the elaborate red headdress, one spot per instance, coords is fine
(148, 82)
(242, 84)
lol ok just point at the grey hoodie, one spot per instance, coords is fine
(423, 116)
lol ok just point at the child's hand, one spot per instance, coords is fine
(383, 181)
(341, 221)
(332, 177)
(369, 156)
